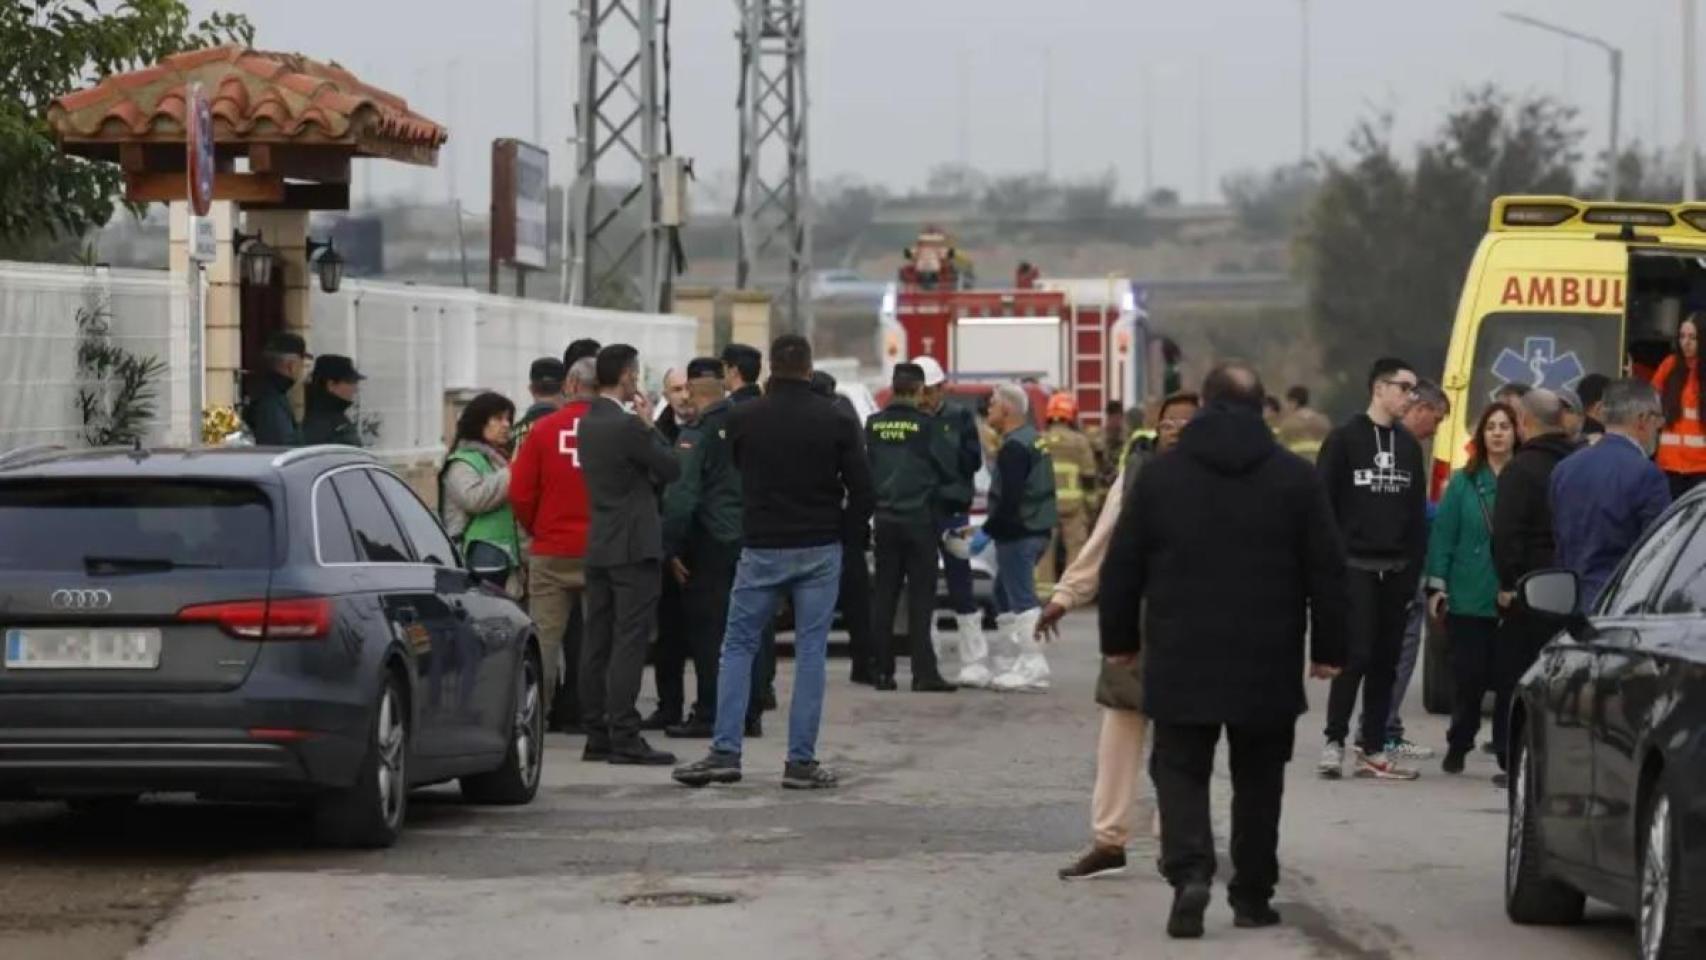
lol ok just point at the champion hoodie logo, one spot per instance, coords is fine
(1384, 477)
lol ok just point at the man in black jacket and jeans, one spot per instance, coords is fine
(1229, 541)
(1522, 532)
(854, 601)
(804, 482)
(1376, 482)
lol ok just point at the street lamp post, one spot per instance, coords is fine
(1689, 105)
(1611, 176)
(1303, 71)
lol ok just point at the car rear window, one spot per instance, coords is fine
(60, 524)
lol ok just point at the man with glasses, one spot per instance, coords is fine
(1429, 407)
(1376, 482)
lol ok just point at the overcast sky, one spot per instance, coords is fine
(890, 79)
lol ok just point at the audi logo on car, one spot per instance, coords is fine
(81, 599)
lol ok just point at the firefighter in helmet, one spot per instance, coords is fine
(1074, 482)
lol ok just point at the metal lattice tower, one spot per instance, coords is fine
(617, 243)
(773, 206)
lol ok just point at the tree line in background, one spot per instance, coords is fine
(1383, 238)
(49, 48)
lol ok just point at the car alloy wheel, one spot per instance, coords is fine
(530, 725)
(389, 741)
(1655, 881)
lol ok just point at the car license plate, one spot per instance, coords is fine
(82, 649)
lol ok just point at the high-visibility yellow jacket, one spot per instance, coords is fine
(1074, 464)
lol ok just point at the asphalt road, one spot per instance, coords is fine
(955, 812)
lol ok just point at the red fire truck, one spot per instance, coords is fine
(1088, 336)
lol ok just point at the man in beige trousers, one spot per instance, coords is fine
(1119, 748)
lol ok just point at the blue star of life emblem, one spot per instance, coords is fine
(1539, 365)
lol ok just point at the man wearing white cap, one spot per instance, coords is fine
(959, 429)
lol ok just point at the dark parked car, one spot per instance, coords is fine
(1608, 786)
(254, 624)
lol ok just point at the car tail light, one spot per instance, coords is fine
(1442, 474)
(280, 734)
(305, 618)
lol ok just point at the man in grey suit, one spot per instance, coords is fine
(626, 461)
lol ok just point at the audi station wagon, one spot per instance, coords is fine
(254, 624)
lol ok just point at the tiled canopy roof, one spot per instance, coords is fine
(256, 97)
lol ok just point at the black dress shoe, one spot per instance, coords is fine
(660, 720)
(885, 681)
(754, 727)
(597, 750)
(861, 675)
(1185, 920)
(639, 753)
(932, 685)
(694, 729)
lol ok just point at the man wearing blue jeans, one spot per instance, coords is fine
(1021, 518)
(804, 485)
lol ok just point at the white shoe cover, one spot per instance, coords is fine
(1030, 671)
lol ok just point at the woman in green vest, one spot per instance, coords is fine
(473, 487)
(1462, 586)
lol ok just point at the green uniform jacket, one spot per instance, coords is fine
(539, 411)
(1460, 551)
(958, 426)
(705, 500)
(911, 461)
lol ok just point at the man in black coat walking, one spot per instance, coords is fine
(1522, 534)
(1227, 552)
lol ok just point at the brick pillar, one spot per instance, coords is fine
(221, 345)
(286, 231)
(700, 303)
(753, 322)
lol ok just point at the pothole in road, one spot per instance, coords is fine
(678, 898)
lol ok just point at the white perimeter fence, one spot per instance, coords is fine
(415, 344)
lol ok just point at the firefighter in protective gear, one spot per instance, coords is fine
(1074, 481)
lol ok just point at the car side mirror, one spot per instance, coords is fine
(489, 563)
(1550, 593)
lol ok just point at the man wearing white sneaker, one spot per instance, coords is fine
(1021, 518)
(1376, 482)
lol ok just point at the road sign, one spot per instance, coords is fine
(198, 147)
(521, 184)
(203, 243)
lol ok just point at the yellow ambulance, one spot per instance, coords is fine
(1561, 288)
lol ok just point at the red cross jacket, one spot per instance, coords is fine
(547, 487)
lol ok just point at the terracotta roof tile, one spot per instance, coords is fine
(255, 97)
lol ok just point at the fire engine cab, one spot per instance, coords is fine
(1088, 336)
